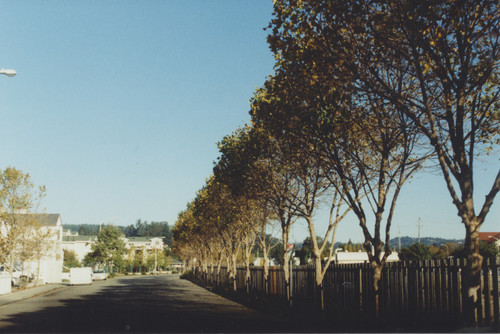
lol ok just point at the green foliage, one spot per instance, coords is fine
(277, 252)
(438, 253)
(257, 251)
(109, 247)
(487, 250)
(350, 246)
(306, 251)
(416, 252)
(70, 259)
(19, 194)
(83, 229)
(188, 275)
(421, 252)
(153, 229)
(407, 241)
(139, 229)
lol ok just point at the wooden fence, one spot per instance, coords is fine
(413, 291)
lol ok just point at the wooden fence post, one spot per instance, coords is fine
(496, 307)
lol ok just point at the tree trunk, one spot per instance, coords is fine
(266, 274)
(248, 275)
(320, 293)
(233, 270)
(472, 273)
(11, 265)
(377, 275)
(248, 279)
(286, 264)
(204, 269)
(248, 253)
(37, 272)
(219, 264)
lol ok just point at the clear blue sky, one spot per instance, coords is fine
(118, 105)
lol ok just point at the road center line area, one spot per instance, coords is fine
(134, 304)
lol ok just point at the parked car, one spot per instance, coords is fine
(99, 275)
(16, 275)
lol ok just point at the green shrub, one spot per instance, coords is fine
(187, 275)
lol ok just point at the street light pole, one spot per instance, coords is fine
(7, 72)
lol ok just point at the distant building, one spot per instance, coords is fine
(148, 243)
(359, 257)
(82, 244)
(490, 237)
(49, 267)
(259, 261)
(144, 245)
(69, 233)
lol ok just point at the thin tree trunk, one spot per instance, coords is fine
(38, 272)
(286, 265)
(234, 271)
(377, 275)
(472, 272)
(266, 274)
(219, 264)
(319, 282)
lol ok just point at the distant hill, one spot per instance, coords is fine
(406, 242)
(428, 241)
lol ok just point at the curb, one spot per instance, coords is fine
(12, 296)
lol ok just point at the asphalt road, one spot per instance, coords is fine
(134, 304)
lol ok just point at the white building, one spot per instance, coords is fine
(147, 243)
(82, 244)
(359, 257)
(49, 267)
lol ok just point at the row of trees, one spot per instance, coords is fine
(364, 94)
(149, 229)
(22, 237)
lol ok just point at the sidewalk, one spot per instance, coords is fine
(17, 295)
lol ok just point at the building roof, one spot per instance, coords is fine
(45, 219)
(489, 236)
(79, 238)
(142, 240)
(139, 239)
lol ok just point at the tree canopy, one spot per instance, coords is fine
(108, 248)
(364, 95)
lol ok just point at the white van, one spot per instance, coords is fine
(80, 275)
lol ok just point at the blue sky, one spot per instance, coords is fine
(118, 105)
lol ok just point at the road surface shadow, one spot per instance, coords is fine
(137, 304)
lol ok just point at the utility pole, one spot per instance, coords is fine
(419, 225)
(399, 233)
